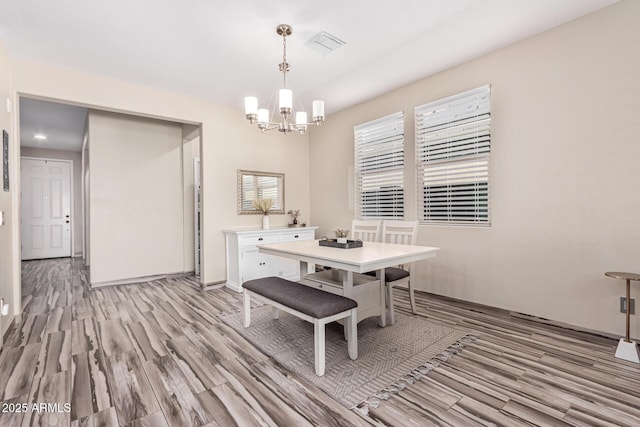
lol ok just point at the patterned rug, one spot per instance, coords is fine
(384, 354)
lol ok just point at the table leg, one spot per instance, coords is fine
(390, 311)
(383, 303)
(304, 269)
(347, 291)
(347, 283)
(628, 339)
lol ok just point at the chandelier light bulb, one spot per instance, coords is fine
(286, 100)
(301, 118)
(250, 105)
(263, 116)
(318, 111)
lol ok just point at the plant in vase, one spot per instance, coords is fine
(264, 206)
(294, 216)
(341, 235)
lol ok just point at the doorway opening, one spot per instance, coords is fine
(67, 140)
(51, 136)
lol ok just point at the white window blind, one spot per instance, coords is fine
(453, 145)
(379, 167)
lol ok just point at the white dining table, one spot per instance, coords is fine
(347, 265)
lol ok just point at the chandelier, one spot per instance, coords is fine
(262, 116)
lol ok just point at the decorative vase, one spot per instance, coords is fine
(342, 240)
(265, 222)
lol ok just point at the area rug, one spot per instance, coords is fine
(385, 355)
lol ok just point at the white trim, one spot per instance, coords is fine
(16, 229)
(82, 190)
(141, 279)
(196, 215)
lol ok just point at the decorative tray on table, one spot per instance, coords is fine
(334, 243)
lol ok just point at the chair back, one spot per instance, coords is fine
(366, 230)
(400, 232)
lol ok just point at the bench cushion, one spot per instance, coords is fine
(310, 301)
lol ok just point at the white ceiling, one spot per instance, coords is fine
(224, 50)
(63, 125)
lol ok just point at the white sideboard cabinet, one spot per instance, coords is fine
(245, 262)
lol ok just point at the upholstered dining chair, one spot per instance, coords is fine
(366, 230)
(403, 233)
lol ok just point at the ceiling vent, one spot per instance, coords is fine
(324, 43)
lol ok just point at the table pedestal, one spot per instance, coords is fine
(628, 351)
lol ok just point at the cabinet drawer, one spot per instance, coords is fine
(302, 235)
(257, 240)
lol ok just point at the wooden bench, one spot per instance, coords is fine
(313, 305)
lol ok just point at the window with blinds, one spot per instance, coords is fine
(453, 145)
(379, 168)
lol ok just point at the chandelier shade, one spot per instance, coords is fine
(262, 116)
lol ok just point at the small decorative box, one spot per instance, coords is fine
(334, 243)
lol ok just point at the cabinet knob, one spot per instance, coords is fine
(296, 236)
(260, 239)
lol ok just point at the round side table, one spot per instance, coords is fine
(627, 349)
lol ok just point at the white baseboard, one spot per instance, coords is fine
(213, 285)
(133, 280)
(234, 286)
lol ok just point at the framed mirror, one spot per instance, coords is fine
(253, 185)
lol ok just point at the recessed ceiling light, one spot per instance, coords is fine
(40, 136)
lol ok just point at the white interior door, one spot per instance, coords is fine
(46, 208)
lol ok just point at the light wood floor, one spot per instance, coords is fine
(155, 354)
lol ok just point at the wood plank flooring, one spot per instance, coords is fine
(155, 354)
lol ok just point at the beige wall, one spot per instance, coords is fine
(76, 157)
(564, 176)
(136, 197)
(228, 143)
(8, 200)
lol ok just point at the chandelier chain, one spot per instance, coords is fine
(284, 67)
